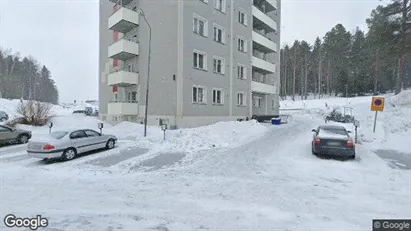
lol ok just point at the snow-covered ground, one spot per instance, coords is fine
(226, 176)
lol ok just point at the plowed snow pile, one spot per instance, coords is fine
(218, 135)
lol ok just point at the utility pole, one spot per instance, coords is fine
(148, 71)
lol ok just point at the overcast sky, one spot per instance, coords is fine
(63, 35)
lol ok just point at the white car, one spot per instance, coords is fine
(67, 144)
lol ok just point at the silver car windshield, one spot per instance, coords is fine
(58, 135)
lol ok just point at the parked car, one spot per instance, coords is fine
(13, 135)
(3, 116)
(67, 144)
(79, 112)
(333, 140)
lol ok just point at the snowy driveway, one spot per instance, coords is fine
(270, 183)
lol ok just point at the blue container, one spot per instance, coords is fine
(276, 121)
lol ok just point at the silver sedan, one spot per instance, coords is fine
(67, 144)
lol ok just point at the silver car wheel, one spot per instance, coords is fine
(110, 144)
(24, 139)
(69, 154)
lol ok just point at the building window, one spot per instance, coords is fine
(200, 25)
(199, 94)
(220, 5)
(218, 65)
(218, 96)
(132, 96)
(242, 17)
(241, 72)
(273, 103)
(241, 99)
(200, 60)
(257, 102)
(242, 44)
(219, 34)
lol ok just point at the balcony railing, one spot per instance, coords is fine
(123, 77)
(124, 49)
(123, 20)
(262, 34)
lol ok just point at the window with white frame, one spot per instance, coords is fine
(220, 5)
(199, 94)
(218, 96)
(241, 99)
(242, 17)
(200, 60)
(218, 65)
(241, 72)
(200, 25)
(257, 101)
(219, 33)
(242, 44)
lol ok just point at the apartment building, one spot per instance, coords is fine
(210, 60)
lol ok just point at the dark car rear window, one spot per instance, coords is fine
(335, 131)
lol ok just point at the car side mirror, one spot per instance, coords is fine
(313, 130)
(349, 131)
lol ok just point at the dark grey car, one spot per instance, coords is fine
(12, 135)
(332, 140)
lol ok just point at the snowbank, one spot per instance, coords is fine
(402, 99)
(67, 122)
(219, 135)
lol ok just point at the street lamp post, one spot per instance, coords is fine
(148, 71)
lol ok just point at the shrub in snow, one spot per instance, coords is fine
(32, 113)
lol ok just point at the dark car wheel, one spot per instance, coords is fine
(352, 157)
(69, 154)
(2, 119)
(312, 150)
(110, 144)
(22, 139)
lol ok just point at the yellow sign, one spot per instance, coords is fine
(377, 104)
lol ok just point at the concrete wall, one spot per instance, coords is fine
(105, 38)
(163, 21)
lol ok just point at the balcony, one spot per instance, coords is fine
(270, 5)
(123, 108)
(123, 20)
(262, 43)
(262, 88)
(123, 49)
(123, 78)
(263, 66)
(262, 20)
(121, 2)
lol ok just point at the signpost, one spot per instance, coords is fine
(164, 128)
(100, 126)
(377, 104)
(356, 124)
(50, 126)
